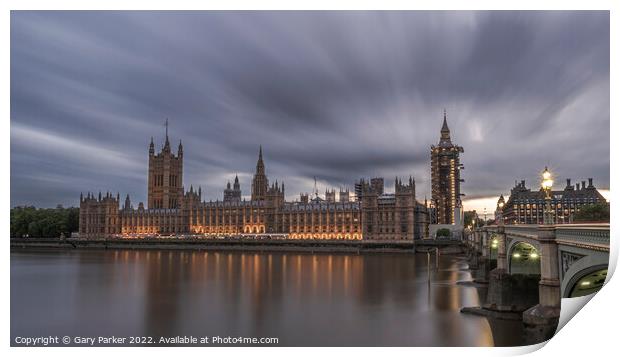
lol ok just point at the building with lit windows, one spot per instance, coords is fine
(525, 206)
(172, 211)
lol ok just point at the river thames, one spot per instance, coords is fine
(301, 299)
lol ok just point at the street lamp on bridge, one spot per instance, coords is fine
(500, 214)
(546, 184)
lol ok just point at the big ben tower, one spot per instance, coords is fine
(446, 178)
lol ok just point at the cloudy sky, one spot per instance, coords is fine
(336, 95)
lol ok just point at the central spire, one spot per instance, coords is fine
(260, 166)
(260, 182)
(167, 143)
(236, 185)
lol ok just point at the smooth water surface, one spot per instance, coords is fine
(302, 299)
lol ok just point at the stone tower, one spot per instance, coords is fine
(330, 195)
(405, 204)
(445, 177)
(99, 216)
(275, 195)
(233, 194)
(165, 180)
(344, 195)
(369, 207)
(260, 183)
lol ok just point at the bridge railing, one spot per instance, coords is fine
(594, 235)
(585, 235)
(525, 230)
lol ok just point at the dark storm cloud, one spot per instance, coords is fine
(336, 95)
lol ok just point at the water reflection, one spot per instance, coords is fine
(303, 299)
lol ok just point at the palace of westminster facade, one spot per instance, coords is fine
(372, 215)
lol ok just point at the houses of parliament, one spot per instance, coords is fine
(172, 210)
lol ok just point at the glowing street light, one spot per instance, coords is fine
(547, 181)
(547, 184)
(500, 207)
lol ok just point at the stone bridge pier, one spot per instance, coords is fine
(478, 260)
(500, 296)
(543, 318)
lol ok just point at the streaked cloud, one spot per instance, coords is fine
(71, 149)
(337, 95)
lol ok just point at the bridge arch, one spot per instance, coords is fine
(514, 240)
(585, 276)
(523, 258)
(586, 282)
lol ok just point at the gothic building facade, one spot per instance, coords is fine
(446, 178)
(173, 211)
(388, 216)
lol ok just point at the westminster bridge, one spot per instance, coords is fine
(530, 268)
